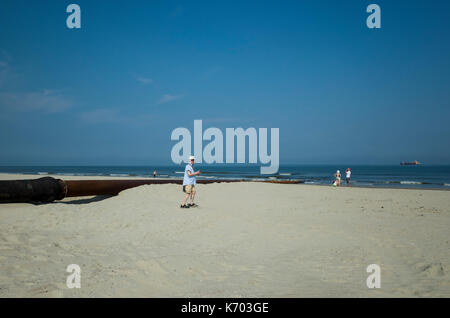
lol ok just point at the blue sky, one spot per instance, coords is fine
(111, 92)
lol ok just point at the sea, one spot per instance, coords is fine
(379, 176)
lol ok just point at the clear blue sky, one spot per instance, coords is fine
(112, 92)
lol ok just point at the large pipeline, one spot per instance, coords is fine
(48, 189)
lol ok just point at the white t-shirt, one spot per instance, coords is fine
(348, 174)
(187, 179)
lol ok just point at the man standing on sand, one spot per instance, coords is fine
(189, 182)
(348, 173)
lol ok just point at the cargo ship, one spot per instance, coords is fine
(412, 163)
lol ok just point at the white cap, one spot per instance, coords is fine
(338, 171)
(191, 158)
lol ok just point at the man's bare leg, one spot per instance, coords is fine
(185, 198)
(192, 197)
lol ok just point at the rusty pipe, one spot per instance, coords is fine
(48, 189)
(45, 189)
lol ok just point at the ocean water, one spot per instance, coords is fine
(421, 176)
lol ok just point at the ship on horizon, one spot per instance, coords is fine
(412, 163)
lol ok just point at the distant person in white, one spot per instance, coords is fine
(348, 173)
(189, 182)
(338, 178)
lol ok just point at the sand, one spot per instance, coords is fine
(244, 240)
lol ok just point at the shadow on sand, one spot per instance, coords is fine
(97, 198)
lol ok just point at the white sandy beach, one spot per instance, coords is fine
(244, 240)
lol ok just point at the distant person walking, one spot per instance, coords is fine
(189, 182)
(154, 174)
(348, 173)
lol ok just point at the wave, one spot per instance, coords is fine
(411, 182)
(406, 182)
(43, 173)
(119, 174)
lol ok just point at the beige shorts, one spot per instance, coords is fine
(189, 188)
